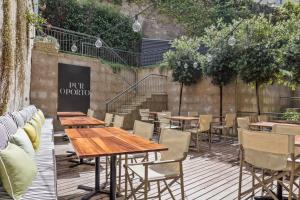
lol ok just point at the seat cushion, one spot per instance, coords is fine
(22, 140)
(41, 114)
(18, 119)
(9, 124)
(3, 137)
(25, 115)
(17, 170)
(155, 172)
(33, 135)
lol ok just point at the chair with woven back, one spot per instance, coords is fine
(226, 125)
(140, 129)
(168, 168)
(263, 118)
(118, 121)
(243, 122)
(90, 113)
(145, 115)
(203, 127)
(267, 152)
(108, 119)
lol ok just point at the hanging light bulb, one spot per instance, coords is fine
(74, 48)
(98, 43)
(185, 65)
(178, 63)
(136, 26)
(209, 58)
(231, 41)
(195, 65)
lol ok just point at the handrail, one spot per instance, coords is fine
(133, 86)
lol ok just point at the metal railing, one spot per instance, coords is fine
(150, 84)
(86, 46)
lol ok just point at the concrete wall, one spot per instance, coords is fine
(204, 96)
(44, 81)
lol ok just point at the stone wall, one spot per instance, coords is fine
(204, 97)
(44, 81)
(15, 54)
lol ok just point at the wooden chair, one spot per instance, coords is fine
(265, 151)
(118, 121)
(193, 114)
(168, 168)
(243, 122)
(90, 113)
(164, 121)
(226, 125)
(203, 127)
(263, 118)
(144, 114)
(141, 129)
(108, 119)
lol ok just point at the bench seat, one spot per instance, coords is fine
(44, 185)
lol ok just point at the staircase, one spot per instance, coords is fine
(150, 92)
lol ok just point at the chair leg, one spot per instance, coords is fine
(182, 186)
(126, 176)
(197, 143)
(106, 169)
(158, 190)
(120, 173)
(240, 180)
(291, 184)
(253, 181)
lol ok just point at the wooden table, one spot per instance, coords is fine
(81, 121)
(70, 114)
(78, 122)
(183, 119)
(110, 141)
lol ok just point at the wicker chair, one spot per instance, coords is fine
(144, 114)
(118, 121)
(263, 118)
(193, 114)
(243, 122)
(265, 151)
(168, 168)
(227, 125)
(141, 129)
(90, 113)
(108, 119)
(203, 127)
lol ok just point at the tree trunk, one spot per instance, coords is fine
(257, 97)
(221, 100)
(180, 99)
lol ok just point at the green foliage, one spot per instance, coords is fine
(221, 68)
(182, 60)
(93, 18)
(35, 19)
(291, 115)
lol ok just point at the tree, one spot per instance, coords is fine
(219, 61)
(260, 57)
(184, 61)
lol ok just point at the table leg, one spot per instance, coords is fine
(97, 190)
(113, 177)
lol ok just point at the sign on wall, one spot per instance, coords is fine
(73, 88)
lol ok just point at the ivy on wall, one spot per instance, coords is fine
(21, 52)
(7, 55)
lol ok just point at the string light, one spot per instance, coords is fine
(98, 43)
(136, 26)
(74, 48)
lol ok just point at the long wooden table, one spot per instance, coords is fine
(183, 119)
(70, 114)
(80, 121)
(110, 141)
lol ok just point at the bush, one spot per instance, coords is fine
(291, 115)
(95, 19)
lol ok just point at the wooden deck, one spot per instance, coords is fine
(207, 175)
